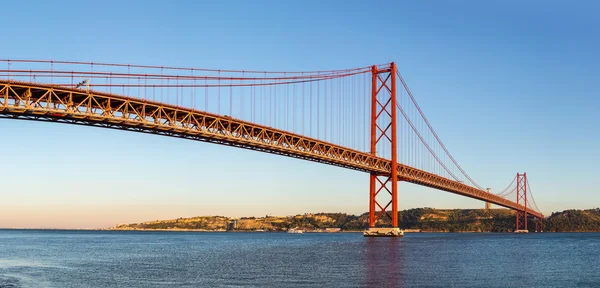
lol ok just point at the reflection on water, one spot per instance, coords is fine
(162, 259)
(384, 262)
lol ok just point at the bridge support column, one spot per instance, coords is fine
(488, 205)
(521, 223)
(383, 140)
(539, 224)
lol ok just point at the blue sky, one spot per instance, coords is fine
(509, 86)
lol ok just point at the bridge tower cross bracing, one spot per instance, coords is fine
(521, 216)
(539, 225)
(383, 132)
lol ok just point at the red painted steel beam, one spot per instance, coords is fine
(383, 103)
(394, 159)
(29, 101)
(373, 175)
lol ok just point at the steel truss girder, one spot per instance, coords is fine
(59, 104)
(40, 102)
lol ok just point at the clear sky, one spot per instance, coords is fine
(510, 86)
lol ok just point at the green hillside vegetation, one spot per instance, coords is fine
(574, 221)
(420, 219)
(194, 223)
(458, 220)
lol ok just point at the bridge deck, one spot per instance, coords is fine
(33, 101)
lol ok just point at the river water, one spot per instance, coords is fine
(36, 258)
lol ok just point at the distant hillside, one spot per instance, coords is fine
(574, 221)
(458, 220)
(425, 219)
(208, 223)
(420, 219)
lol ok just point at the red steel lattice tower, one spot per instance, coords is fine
(383, 132)
(539, 225)
(521, 223)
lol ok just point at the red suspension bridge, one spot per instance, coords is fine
(364, 119)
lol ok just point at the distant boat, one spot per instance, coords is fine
(295, 231)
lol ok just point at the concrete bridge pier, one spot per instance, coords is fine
(383, 232)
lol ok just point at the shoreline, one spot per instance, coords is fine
(250, 231)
